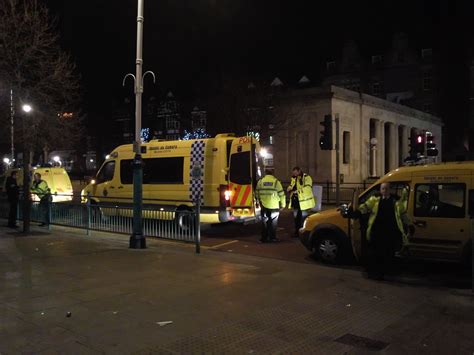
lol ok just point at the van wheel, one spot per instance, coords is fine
(328, 248)
(184, 218)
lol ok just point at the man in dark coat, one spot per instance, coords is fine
(12, 189)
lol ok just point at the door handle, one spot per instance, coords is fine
(112, 187)
(420, 223)
(120, 187)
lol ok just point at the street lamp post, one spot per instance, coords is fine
(26, 174)
(137, 239)
(12, 127)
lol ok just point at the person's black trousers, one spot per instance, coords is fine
(269, 223)
(381, 255)
(44, 208)
(299, 217)
(12, 213)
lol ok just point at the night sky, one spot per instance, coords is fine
(191, 43)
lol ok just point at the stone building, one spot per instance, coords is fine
(362, 118)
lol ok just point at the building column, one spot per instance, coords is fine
(393, 154)
(405, 142)
(380, 135)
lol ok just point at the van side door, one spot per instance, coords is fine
(439, 213)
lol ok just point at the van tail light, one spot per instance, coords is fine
(225, 195)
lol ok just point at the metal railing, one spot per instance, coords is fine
(159, 220)
(346, 190)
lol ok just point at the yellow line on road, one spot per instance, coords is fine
(221, 245)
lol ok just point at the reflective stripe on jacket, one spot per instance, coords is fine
(372, 206)
(40, 188)
(304, 189)
(270, 192)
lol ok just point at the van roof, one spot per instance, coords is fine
(428, 168)
(182, 143)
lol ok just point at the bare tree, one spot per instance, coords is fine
(41, 74)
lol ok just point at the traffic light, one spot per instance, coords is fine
(325, 142)
(412, 152)
(431, 149)
(420, 144)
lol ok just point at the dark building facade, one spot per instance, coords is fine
(401, 73)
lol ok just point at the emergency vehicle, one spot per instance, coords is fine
(57, 179)
(232, 166)
(440, 205)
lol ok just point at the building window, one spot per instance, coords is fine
(427, 108)
(331, 66)
(376, 89)
(346, 147)
(427, 82)
(400, 57)
(171, 123)
(426, 53)
(376, 59)
(271, 139)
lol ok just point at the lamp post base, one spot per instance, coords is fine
(137, 241)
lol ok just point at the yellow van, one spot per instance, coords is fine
(232, 166)
(440, 205)
(57, 179)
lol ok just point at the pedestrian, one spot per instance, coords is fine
(271, 198)
(386, 230)
(301, 197)
(13, 193)
(41, 189)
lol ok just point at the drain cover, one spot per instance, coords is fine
(362, 342)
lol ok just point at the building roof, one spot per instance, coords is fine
(332, 91)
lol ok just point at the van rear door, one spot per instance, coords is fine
(241, 177)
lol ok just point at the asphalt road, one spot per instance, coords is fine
(243, 239)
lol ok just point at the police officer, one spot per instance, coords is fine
(41, 189)
(301, 197)
(385, 230)
(12, 189)
(271, 197)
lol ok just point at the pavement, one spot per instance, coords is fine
(63, 292)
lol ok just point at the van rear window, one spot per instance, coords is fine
(240, 168)
(155, 171)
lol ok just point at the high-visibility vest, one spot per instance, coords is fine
(270, 192)
(304, 191)
(40, 188)
(400, 208)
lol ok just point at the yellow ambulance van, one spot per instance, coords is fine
(57, 179)
(232, 166)
(440, 205)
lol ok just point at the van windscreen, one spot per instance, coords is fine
(240, 168)
(155, 171)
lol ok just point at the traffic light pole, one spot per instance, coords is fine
(338, 162)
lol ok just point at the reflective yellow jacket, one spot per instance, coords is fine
(40, 188)
(304, 189)
(270, 192)
(372, 206)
